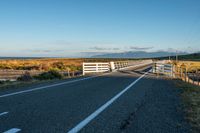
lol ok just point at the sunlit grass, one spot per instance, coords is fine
(190, 94)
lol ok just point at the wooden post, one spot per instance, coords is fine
(181, 72)
(185, 74)
(198, 76)
(186, 80)
(68, 73)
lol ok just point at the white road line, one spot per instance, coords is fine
(44, 87)
(13, 130)
(3, 113)
(83, 123)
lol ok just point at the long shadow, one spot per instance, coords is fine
(135, 71)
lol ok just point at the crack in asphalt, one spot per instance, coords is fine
(130, 119)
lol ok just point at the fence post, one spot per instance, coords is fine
(198, 76)
(83, 68)
(185, 74)
(172, 70)
(68, 74)
(112, 65)
(97, 65)
(181, 72)
(154, 68)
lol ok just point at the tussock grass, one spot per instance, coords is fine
(190, 95)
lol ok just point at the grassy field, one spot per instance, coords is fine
(191, 66)
(190, 95)
(46, 64)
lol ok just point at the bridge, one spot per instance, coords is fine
(127, 97)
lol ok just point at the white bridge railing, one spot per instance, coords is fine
(163, 67)
(99, 67)
(95, 67)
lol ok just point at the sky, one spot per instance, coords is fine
(80, 28)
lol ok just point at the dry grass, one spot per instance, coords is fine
(190, 65)
(41, 64)
(71, 64)
(190, 95)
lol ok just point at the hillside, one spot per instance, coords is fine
(194, 57)
(138, 54)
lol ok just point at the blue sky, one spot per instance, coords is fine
(75, 28)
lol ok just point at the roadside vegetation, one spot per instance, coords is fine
(190, 95)
(41, 64)
(52, 74)
(46, 64)
(27, 79)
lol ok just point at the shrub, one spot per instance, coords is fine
(1, 82)
(59, 65)
(52, 74)
(25, 77)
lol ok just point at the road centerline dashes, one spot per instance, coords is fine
(3, 113)
(13, 130)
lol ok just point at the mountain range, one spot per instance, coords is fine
(138, 54)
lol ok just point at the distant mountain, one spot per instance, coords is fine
(138, 54)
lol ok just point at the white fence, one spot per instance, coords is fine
(111, 66)
(163, 68)
(95, 67)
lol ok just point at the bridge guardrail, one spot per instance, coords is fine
(163, 68)
(97, 67)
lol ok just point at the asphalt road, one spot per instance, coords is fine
(118, 102)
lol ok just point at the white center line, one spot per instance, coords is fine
(3, 113)
(13, 130)
(44, 87)
(83, 123)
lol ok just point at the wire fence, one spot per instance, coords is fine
(187, 73)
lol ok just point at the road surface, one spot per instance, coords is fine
(124, 101)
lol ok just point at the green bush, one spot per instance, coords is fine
(52, 74)
(1, 82)
(25, 77)
(59, 65)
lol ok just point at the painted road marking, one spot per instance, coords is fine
(13, 130)
(83, 123)
(3, 113)
(44, 87)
